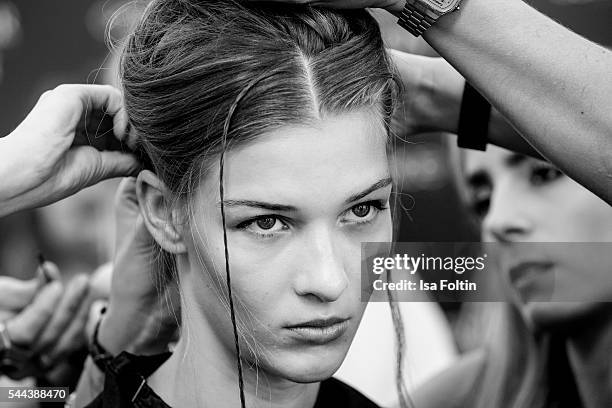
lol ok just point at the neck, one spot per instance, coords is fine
(590, 356)
(203, 372)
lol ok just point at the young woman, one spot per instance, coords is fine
(266, 133)
(540, 353)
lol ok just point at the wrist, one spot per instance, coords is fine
(394, 7)
(446, 93)
(129, 332)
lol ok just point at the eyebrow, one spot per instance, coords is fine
(258, 204)
(289, 208)
(376, 186)
(515, 159)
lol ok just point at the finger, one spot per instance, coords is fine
(103, 118)
(15, 294)
(65, 312)
(27, 325)
(93, 97)
(126, 198)
(73, 338)
(116, 164)
(127, 212)
(51, 271)
(85, 166)
(122, 129)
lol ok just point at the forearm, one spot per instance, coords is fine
(554, 86)
(432, 102)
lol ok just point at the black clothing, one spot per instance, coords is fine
(125, 386)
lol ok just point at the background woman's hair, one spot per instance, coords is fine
(202, 76)
(514, 374)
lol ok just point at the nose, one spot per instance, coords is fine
(322, 275)
(508, 217)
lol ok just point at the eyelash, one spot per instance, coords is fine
(377, 205)
(539, 175)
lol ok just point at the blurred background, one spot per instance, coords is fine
(46, 43)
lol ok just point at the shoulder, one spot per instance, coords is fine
(453, 386)
(333, 393)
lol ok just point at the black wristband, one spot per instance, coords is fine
(473, 120)
(98, 353)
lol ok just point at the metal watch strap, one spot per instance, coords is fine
(414, 20)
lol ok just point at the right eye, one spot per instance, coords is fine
(480, 199)
(265, 226)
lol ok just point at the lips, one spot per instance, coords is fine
(320, 331)
(526, 275)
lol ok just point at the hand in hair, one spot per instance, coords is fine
(40, 162)
(393, 6)
(144, 307)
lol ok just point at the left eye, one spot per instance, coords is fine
(363, 213)
(544, 175)
(361, 210)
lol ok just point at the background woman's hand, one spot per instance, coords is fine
(144, 307)
(51, 155)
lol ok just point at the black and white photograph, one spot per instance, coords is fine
(306, 203)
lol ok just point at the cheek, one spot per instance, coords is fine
(571, 213)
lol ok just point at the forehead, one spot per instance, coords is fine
(327, 160)
(493, 160)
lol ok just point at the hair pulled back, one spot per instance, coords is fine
(202, 76)
(188, 63)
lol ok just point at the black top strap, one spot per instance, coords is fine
(125, 386)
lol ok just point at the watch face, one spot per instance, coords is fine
(442, 6)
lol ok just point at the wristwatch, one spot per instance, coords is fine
(419, 15)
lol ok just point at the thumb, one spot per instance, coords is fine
(15, 294)
(117, 164)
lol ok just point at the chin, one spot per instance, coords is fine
(557, 316)
(314, 364)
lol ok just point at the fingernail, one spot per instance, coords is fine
(42, 270)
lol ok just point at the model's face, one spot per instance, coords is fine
(299, 201)
(521, 199)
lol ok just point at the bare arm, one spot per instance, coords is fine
(554, 86)
(432, 102)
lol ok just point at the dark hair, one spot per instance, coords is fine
(186, 63)
(200, 77)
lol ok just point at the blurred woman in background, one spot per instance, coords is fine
(540, 353)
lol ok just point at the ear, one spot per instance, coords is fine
(154, 200)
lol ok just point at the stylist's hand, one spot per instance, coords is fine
(38, 165)
(46, 322)
(389, 5)
(144, 306)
